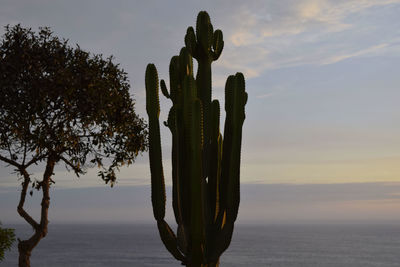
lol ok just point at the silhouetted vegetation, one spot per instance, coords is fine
(61, 104)
(205, 166)
(7, 238)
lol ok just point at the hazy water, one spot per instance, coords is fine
(271, 245)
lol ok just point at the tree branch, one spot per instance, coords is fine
(35, 159)
(51, 161)
(76, 169)
(25, 149)
(11, 162)
(23, 166)
(20, 208)
(9, 151)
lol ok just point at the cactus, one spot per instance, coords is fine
(205, 166)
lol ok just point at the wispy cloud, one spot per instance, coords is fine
(265, 95)
(370, 51)
(269, 35)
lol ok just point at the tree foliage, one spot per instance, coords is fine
(63, 100)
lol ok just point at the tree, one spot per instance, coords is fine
(61, 105)
(7, 238)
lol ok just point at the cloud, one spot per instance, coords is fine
(311, 9)
(266, 36)
(265, 95)
(370, 51)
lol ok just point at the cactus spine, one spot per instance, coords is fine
(205, 166)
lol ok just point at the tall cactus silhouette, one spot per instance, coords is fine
(205, 166)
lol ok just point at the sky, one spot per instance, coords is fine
(322, 119)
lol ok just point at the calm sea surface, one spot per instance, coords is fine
(271, 245)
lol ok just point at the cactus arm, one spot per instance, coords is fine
(212, 196)
(174, 78)
(180, 66)
(164, 89)
(223, 240)
(156, 168)
(190, 42)
(183, 242)
(235, 101)
(186, 62)
(189, 95)
(183, 184)
(176, 198)
(226, 150)
(218, 44)
(157, 176)
(196, 181)
(185, 96)
(170, 241)
(204, 31)
(183, 174)
(215, 160)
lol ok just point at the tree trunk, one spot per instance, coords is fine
(25, 247)
(24, 254)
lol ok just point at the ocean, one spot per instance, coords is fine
(285, 245)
